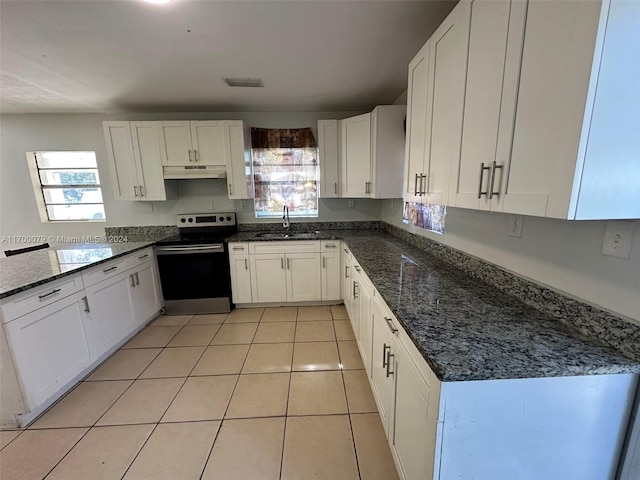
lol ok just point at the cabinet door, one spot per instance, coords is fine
(237, 143)
(146, 151)
(303, 277)
(329, 157)
(382, 350)
(175, 143)
(268, 278)
(356, 156)
(417, 107)
(50, 347)
(111, 310)
(365, 326)
(240, 278)
(122, 163)
(347, 271)
(331, 271)
(448, 49)
(495, 49)
(207, 138)
(354, 294)
(146, 297)
(413, 433)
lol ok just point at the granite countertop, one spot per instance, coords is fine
(28, 270)
(465, 329)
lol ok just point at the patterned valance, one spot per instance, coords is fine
(282, 138)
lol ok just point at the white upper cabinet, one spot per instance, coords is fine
(237, 144)
(192, 142)
(436, 96)
(329, 157)
(493, 69)
(539, 138)
(135, 160)
(373, 152)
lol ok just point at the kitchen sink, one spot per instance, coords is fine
(284, 235)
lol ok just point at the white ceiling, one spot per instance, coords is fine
(126, 55)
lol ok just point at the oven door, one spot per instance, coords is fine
(194, 278)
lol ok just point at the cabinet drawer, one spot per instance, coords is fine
(30, 300)
(330, 246)
(238, 249)
(284, 247)
(141, 257)
(109, 269)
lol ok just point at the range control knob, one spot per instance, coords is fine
(221, 219)
(183, 220)
(190, 219)
(228, 219)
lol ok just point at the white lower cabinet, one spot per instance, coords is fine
(303, 277)
(240, 273)
(50, 347)
(146, 298)
(330, 270)
(364, 335)
(268, 278)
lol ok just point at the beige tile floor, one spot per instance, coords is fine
(276, 393)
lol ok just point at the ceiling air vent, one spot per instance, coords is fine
(243, 82)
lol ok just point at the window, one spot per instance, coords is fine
(285, 172)
(67, 186)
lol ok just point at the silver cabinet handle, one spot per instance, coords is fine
(367, 187)
(238, 248)
(190, 155)
(423, 186)
(324, 263)
(389, 357)
(482, 169)
(142, 194)
(52, 292)
(142, 257)
(246, 264)
(86, 304)
(415, 186)
(357, 268)
(346, 250)
(135, 191)
(494, 167)
(355, 291)
(137, 278)
(288, 266)
(390, 325)
(109, 269)
(335, 188)
(385, 347)
(346, 271)
(330, 245)
(230, 189)
(195, 155)
(133, 282)
(282, 263)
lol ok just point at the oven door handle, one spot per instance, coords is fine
(189, 250)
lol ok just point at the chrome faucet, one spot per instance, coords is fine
(285, 218)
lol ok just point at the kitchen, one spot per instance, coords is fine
(563, 255)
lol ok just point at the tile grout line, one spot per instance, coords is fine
(286, 410)
(224, 414)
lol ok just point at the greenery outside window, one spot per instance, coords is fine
(285, 171)
(67, 186)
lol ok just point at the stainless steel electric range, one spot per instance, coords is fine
(194, 265)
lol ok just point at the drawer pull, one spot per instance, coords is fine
(357, 268)
(142, 257)
(86, 304)
(52, 292)
(390, 325)
(109, 269)
(238, 248)
(346, 250)
(330, 245)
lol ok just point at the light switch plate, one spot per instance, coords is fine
(617, 239)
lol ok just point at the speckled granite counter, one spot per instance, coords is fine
(28, 270)
(466, 329)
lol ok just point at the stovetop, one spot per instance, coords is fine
(202, 228)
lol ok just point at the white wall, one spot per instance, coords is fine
(22, 133)
(562, 254)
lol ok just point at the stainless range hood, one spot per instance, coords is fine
(195, 171)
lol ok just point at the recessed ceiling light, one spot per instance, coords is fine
(243, 82)
(158, 2)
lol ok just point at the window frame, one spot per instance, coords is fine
(39, 188)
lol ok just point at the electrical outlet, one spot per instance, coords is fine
(515, 226)
(242, 204)
(351, 203)
(617, 239)
(149, 207)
